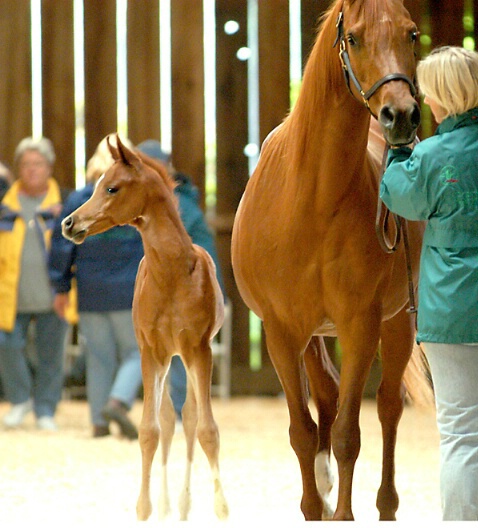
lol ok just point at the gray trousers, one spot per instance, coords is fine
(454, 369)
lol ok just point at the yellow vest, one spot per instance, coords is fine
(11, 247)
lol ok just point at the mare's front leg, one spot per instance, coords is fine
(358, 335)
(153, 382)
(397, 343)
(324, 390)
(198, 410)
(285, 351)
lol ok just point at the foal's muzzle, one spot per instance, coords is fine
(70, 231)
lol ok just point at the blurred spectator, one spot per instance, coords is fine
(195, 223)
(27, 214)
(105, 267)
(6, 179)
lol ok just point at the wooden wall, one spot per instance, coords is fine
(444, 18)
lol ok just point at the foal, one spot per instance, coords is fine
(177, 309)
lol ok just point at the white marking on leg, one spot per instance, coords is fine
(325, 481)
(221, 508)
(164, 502)
(185, 497)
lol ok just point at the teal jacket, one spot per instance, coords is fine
(438, 182)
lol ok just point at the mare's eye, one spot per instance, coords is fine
(351, 39)
(414, 36)
(111, 190)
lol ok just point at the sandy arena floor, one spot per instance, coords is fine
(68, 478)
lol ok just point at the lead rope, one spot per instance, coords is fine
(402, 229)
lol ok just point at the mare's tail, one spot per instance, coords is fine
(417, 380)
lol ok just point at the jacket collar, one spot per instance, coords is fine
(52, 196)
(453, 122)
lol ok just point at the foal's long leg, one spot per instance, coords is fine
(396, 348)
(358, 336)
(324, 389)
(167, 419)
(190, 418)
(286, 354)
(153, 380)
(199, 367)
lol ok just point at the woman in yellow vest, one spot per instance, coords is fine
(27, 214)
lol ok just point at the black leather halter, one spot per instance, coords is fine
(349, 73)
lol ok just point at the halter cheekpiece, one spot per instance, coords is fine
(349, 73)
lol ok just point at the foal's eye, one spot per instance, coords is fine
(414, 36)
(111, 190)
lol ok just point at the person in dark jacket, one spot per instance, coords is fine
(438, 182)
(105, 268)
(195, 223)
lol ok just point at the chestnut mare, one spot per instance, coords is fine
(305, 254)
(177, 308)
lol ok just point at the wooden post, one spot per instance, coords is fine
(311, 11)
(59, 87)
(15, 77)
(187, 55)
(100, 72)
(447, 22)
(144, 118)
(232, 168)
(475, 14)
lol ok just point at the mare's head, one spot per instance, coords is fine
(119, 196)
(375, 40)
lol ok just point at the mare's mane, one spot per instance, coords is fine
(323, 77)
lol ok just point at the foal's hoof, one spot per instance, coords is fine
(221, 508)
(143, 510)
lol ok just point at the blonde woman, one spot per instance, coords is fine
(105, 268)
(438, 182)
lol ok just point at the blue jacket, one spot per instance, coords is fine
(438, 182)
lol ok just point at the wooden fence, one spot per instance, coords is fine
(441, 20)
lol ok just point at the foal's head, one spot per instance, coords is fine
(119, 196)
(376, 40)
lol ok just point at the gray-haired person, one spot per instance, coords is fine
(27, 211)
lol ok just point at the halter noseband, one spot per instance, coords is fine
(349, 73)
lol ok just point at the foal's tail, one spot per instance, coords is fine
(417, 380)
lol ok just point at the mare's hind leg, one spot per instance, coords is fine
(167, 419)
(324, 390)
(396, 348)
(153, 382)
(199, 366)
(286, 354)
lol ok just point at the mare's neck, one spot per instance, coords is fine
(328, 127)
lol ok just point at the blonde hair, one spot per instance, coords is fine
(449, 76)
(101, 160)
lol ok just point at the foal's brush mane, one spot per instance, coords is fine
(157, 166)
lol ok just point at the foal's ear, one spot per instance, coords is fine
(113, 150)
(122, 153)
